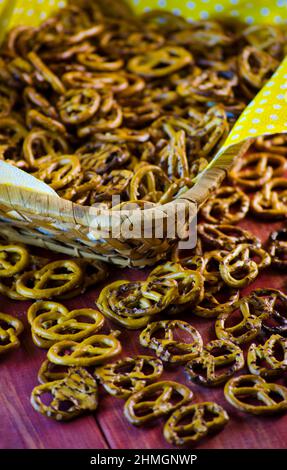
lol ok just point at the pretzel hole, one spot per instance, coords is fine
(275, 396)
(46, 398)
(175, 397)
(279, 352)
(65, 405)
(5, 341)
(251, 400)
(85, 319)
(5, 326)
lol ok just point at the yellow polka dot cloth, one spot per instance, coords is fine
(266, 114)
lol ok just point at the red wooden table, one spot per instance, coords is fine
(22, 427)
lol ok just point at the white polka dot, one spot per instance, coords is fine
(263, 101)
(278, 19)
(285, 76)
(191, 5)
(284, 86)
(280, 97)
(266, 93)
(30, 12)
(205, 1)
(234, 13)
(249, 19)
(264, 11)
(252, 131)
(274, 117)
(146, 9)
(235, 136)
(259, 110)
(176, 11)
(52, 2)
(161, 3)
(243, 118)
(270, 83)
(40, 1)
(282, 3)
(219, 7)
(204, 15)
(270, 126)
(277, 106)
(255, 120)
(234, 2)
(43, 15)
(285, 124)
(61, 4)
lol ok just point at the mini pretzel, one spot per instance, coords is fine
(211, 264)
(189, 283)
(59, 171)
(10, 329)
(50, 372)
(277, 247)
(195, 426)
(140, 409)
(149, 183)
(161, 62)
(78, 105)
(248, 326)
(137, 299)
(11, 131)
(74, 326)
(225, 237)
(78, 390)
(216, 299)
(167, 348)
(54, 279)
(255, 169)
(275, 143)
(46, 73)
(203, 369)
(212, 130)
(267, 353)
(264, 37)
(127, 376)
(13, 259)
(249, 386)
(90, 352)
(255, 67)
(41, 143)
(238, 269)
(271, 201)
(45, 306)
(218, 209)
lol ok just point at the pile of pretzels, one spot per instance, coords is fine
(137, 106)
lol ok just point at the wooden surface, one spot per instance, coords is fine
(22, 427)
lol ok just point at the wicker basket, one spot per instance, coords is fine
(48, 221)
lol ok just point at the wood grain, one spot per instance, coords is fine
(22, 427)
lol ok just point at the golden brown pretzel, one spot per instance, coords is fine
(167, 347)
(267, 353)
(10, 329)
(249, 386)
(195, 426)
(13, 259)
(218, 208)
(161, 62)
(128, 375)
(140, 409)
(78, 390)
(54, 279)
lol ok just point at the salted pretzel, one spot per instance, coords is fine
(218, 209)
(271, 305)
(149, 183)
(205, 369)
(277, 247)
(238, 268)
(159, 63)
(78, 391)
(129, 375)
(266, 353)
(248, 322)
(271, 201)
(238, 389)
(253, 170)
(211, 264)
(189, 283)
(225, 237)
(168, 348)
(155, 400)
(217, 298)
(10, 329)
(188, 424)
(54, 279)
(13, 259)
(90, 352)
(275, 143)
(265, 37)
